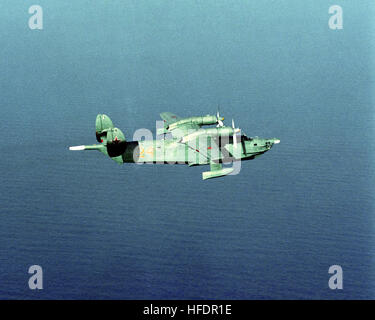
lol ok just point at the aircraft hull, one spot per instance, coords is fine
(173, 152)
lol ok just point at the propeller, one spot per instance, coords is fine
(219, 119)
(235, 131)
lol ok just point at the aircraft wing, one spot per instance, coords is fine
(209, 149)
(214, 152)
(184, 129)
(169, 117)
(181, 130)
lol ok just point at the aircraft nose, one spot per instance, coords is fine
(271, 142)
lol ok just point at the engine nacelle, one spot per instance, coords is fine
(204, 120)
(116, 143)
(223, 131)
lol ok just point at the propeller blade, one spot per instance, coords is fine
(234, 135)
(219, 119)
(235, 131)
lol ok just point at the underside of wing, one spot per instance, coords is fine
(184, 129)
(213, 149)
(206, 146)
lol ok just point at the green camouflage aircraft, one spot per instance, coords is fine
(182, 141)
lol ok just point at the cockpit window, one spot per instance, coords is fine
(245, 138)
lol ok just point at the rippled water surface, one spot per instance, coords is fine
(101, 230)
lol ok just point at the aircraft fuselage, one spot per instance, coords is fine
(173, 152)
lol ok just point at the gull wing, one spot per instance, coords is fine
(184, 129)
(169, 117)
(207, 147)
(181, 130)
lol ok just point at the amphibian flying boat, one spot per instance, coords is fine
(182, 141)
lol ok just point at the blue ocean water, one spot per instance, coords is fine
(104, 231)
